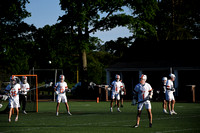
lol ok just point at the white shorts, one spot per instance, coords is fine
(147, 105)
(14, 103)
(115, 95)
(169, 97)
(61, 97)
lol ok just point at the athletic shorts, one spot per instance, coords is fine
(115, 95)
(14, 103)
(147, 105)
(169, 97)
(61, 97)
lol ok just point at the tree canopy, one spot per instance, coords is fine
(69, 44)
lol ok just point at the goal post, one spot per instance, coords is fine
(35, 89)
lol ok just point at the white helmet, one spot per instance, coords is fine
(13, 78)
(143, 77)
(164, 79)
(62, 77)
(24, 79)
(117, 76)
(171, 75)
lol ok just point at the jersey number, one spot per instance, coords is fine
(13, 93)
(62, 90)
(143, 92)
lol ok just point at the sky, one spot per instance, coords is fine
(47, 12)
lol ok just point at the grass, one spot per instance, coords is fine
(90, 117)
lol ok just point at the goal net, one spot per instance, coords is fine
(32, 95)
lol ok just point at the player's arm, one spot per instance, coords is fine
(55, 87)
(135, 93)
(150, 93)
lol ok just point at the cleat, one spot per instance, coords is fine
(9, 120)
(111, 110)
(165, 111)
(16, 119)
(136, 126)
(170, 112)
(118, 110)
(122, 106)
(24, 112)
(69, 113)
(57, 113)
(173, 112)
(150, 125)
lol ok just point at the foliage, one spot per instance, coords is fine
(15, 37)
(178, 19)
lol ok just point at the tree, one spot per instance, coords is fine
(84, 17)
(178, 19)
(15, 37)
(143, 12)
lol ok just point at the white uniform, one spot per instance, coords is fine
(122, 92)
(143, 93)
(61, 87)
(14, 95)
(116, 87)
(169, 93)
(25, 88)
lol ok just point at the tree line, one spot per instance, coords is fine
(68, 44)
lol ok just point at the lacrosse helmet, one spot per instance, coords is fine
(171, 75)
(143, 77)
(13, 80)
(117, 76)
(24, 79)
(164, 79)
(62, 77)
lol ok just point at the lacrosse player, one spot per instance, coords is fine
(116, 87)
(163, 94)
(169, 94)
(144, 92)
(25, 87)
(13, 90)
(60, 89)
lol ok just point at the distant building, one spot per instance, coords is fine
(156, 59)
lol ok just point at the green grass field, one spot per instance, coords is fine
(91, 117)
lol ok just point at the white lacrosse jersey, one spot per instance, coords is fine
(25, 88)
(61, 87)
(14, 91)
(143, 91)
(116, 86)
(169, 85)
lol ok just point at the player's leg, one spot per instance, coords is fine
(115, 103)
(139, 107)
(112, 100)
(17, 110)
(169, 107)
(148, 107)
(10, 114)
(111, 105)
(67, 107)
(173, 103)
(165, 106)
(122, 101)
(64, 98)
(23, 104)
(138, 119)
(150, 117)
(57, 108)
(58, 104)
(118, 99)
